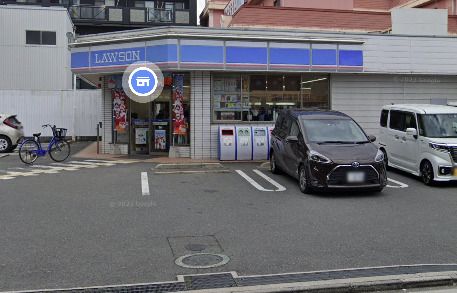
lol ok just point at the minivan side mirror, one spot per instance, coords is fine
(292, 139)
(371, 138)
(411, 132)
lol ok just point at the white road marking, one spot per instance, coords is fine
(144, 183)
(251, 181)
(276, 184)
(400, 184)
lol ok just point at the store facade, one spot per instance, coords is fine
(244, 77)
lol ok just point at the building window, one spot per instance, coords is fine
(260, 97)
(40, 37)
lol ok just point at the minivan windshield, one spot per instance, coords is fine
(438, 125)
(333, 131)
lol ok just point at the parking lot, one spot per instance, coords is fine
(120, 223)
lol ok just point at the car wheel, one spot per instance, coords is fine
(273, 166)
(427, 174)
(303, 181)
(5, 144)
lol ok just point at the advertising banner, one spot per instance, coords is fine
(179, 120)
(120, 108)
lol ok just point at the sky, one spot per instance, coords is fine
(200, 6)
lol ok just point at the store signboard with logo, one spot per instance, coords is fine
(216, 55)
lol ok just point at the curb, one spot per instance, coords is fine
(4, 155)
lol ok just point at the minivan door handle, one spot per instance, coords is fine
(404, 138)
(396, 136)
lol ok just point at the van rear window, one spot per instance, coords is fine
(384, 115)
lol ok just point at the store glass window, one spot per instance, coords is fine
(260, 97)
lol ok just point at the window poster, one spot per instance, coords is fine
(141, 135)
(120, 107)
(160, 139)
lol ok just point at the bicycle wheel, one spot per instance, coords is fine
(28, 151)
(59, 150)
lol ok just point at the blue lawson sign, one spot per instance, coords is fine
(117, 57)
(142, 81)
(213, 56)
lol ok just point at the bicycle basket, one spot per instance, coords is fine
(60, 132)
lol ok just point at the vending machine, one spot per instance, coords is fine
(260, 143)
(270, 129)
(243, 143)
(227, 144)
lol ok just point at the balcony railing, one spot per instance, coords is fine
(233, 6)
(129, 15)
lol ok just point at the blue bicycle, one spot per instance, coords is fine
(58, 149)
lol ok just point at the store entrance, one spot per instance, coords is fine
(151, 124)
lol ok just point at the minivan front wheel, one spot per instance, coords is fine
(427, 174)
(303, 181)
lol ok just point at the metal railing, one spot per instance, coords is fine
(126, 15)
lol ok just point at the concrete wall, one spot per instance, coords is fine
(419, 21)
(78, 111)
(34, 67)
(361, 96)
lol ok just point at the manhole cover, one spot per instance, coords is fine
(195, 247)
(202, 260)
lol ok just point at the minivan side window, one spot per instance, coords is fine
(410, 121)
(294, 130)
(397, 120)
(384, 115)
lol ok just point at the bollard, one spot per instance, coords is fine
(98, 139)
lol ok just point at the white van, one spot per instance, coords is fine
(420, 139)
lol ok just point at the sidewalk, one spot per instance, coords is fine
(90, 152)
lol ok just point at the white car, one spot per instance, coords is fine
(11, 132)
(421, 140)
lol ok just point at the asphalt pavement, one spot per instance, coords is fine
(89, 226)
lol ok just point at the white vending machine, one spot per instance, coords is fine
(243, 143)
(270, 129)
(260, 144)
(227, 145)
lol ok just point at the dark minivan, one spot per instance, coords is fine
(326, 150)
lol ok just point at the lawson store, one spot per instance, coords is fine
(223, 77)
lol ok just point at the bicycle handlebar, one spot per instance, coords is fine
(46, 125)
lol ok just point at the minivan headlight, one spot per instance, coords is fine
(318, 157)
(439, 147)
(379, 156)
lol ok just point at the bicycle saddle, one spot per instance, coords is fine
(37, 134)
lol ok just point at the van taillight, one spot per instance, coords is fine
(10, 123)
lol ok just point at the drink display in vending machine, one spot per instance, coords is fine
(243, 143)
(260, 143)
(227, 146)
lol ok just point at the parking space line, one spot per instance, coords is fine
(251, 181)
(257, 185)
(276, 184)
(400, 184)
(144, 183)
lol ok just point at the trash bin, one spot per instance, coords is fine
(227, 146)
(260, 144)
(243, 143)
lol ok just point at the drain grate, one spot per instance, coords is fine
(227, 280)
(209, 281)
